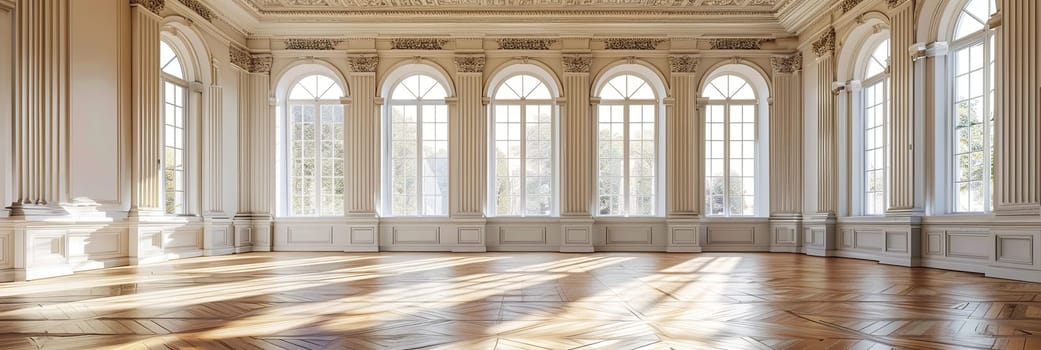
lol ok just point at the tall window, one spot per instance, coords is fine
(627, 148)
(972, 108)
(175, 96)
(314, 140)
(730, 147)
(522, 151)
(875, 120)
(418, 148)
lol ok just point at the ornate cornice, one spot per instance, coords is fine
(312, 44)
(825, 44)
(155, 6)
(199, 8)
(250, 63)
(470, 64)
(525, 44)
(683, 64)
(737, 44)
(366, 64)
(577, 64)
(850, 4)
(632, 44)
(786, 64)
(418, 44)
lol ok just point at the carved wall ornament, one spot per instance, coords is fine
(577, 64)
(737, 43)
(261, 64)
(787, 64)
(418, 44)
(895, 3)
(825, 44)
(155, 6)
(250, 63)
(683, 64)
(850, 4)
(525, 44)
(199, 8)
(470, 64)
(312, 44)
(632, 44)
(364, 63)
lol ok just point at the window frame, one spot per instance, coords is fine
(387, 132)
(186, 108)
(859, 121)
(523, 103)
(659, 152)
(727, 104)
(286, 153)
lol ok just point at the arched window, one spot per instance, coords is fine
(873, 124)
(175, 139)
(418, 148)
(627, 148)
(731, 144)
(972, 108)
(314, 148)
(522, 148)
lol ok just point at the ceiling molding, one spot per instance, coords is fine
(7, 5)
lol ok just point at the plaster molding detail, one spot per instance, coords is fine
(632, 44)
(683, 64)
(577, 64)
(418, 44)
(737, 44)
(525, 44)
(156, 6)
(250, 63)
(261, 64)
(825, 44)
(312, 44)
(364, 64)
(470, 64)
(895, 3)
(786, 64)
(850, 4)
(199, 8)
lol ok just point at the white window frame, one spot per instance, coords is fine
(859, 120)
(186, 116)
(286, 154)
(986, 37)
(388, 131)
(727, 103)
(554, 158)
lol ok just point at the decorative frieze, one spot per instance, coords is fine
(312, 44)
(525, 44)
(470, 64)
(418, 44)
(199, 8)
(366, 64)
(577, 64)
(850, 4)
(253, 64)
(736, 44)
(155, 6)
(683, 64)
(632, 44)
(825, 44)
(786, 64)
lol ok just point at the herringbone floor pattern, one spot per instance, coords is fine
(519, 301)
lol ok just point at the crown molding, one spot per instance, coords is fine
(7, 5)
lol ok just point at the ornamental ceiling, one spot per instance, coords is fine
(272, 6)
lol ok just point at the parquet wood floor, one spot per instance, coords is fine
(520, 301)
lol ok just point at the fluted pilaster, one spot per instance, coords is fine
(827, 155)
(683, 141)
(41, 107)
(470, 154)
(785, 137)
(213, 152)
(1018, 124)
(576, 153)
(256, 138)
(145, 96)
(363, 141)
(904, 195)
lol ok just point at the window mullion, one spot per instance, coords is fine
(317, 159)
(523, 159)
(420, 204)
(625, 159)
(726, 159)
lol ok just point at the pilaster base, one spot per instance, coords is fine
(819, 237)
(363, 234)
(684, 235)
(218, 236)
(469, 235)
(253, 233)
(785, 234)
(576, 235)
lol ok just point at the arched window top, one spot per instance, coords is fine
(879, 60)
(169, 63)
(316, 87)
(523, 87)
(627, 87)
(729, 87)
(419, 87)
(973, 18)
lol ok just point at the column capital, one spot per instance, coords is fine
(363, 63)
(786, 64)
(154, 6)
(683, 63)
(824, 46)
(577, 63)
(470, 63)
